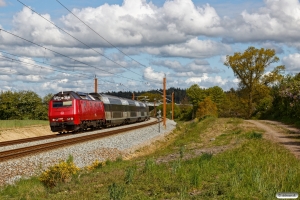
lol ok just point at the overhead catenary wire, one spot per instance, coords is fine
(51, 69)
(78, 39)
(65, 55)
(100, 35)
(103, 37)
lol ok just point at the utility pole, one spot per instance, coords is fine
(164, 102)
(96, 84)
(172, 105)
(154, 107)
(133, 96)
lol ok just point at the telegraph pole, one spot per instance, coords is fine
(154, 107)
(133, 96)
(172, 105)
(96, 84)
(164, 101)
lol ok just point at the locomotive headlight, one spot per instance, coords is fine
(70, 118)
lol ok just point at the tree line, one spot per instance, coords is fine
(260, 94)
(23, 105)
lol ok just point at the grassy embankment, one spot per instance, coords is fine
(21, 123)
(243, 166)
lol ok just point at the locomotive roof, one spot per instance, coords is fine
(64, 95)
(109, 99)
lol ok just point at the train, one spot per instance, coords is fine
(71, 111)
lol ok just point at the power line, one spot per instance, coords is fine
(39, 66)
(77, 38)
(65, 55)
(19, 73)
(101, 36)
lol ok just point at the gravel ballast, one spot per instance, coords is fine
(84, 154)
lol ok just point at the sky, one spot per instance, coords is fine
(130, 45)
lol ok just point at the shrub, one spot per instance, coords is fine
(95, 165)
(61, 172)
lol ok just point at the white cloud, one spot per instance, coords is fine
(151, 75)
(278, 21)
(195, 67)
(292, 62)
(193, 48)
(216, 80)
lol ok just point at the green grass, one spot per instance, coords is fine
(254, 169)
(21, 123)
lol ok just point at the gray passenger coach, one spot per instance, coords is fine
(122, 111)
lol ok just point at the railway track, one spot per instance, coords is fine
(32, 139)
(21, 152)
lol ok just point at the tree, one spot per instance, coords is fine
(250, 68)
(196, 95)
(207, 108)
(8, 105)
(149, 96)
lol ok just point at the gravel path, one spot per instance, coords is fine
(276, 131)
(84, 154)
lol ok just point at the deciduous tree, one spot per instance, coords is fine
(207, 108)
(250, 68)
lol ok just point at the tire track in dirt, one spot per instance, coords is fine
(285, 135)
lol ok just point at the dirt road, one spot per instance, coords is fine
(286, 135)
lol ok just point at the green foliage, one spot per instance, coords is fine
(254, 135)
(181, 151)
(217, 95)
(244, 171)
(21, 123)
(149, 165)
(23, 105)
(95, 165)
(207, 108)
(285, 104)
(129, 174)
(150, 96)
(116, 192)
(196, 95)
(59, 173)
(177, 111)
(233, 105)
(250, 67)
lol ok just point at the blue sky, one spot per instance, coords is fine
(130, 45)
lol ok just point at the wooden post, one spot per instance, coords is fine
(154, 108)
(96, 84)
(172, 105)
(133, 96)
(164, 102)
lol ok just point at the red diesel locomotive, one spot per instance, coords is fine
(76, 111)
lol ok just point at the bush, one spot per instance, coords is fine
(61, 172)
(95, 165)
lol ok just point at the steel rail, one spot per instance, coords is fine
(21, 152)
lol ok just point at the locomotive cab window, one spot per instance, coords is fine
(58, 104)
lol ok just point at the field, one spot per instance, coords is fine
(21, 123)
(208, 159)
